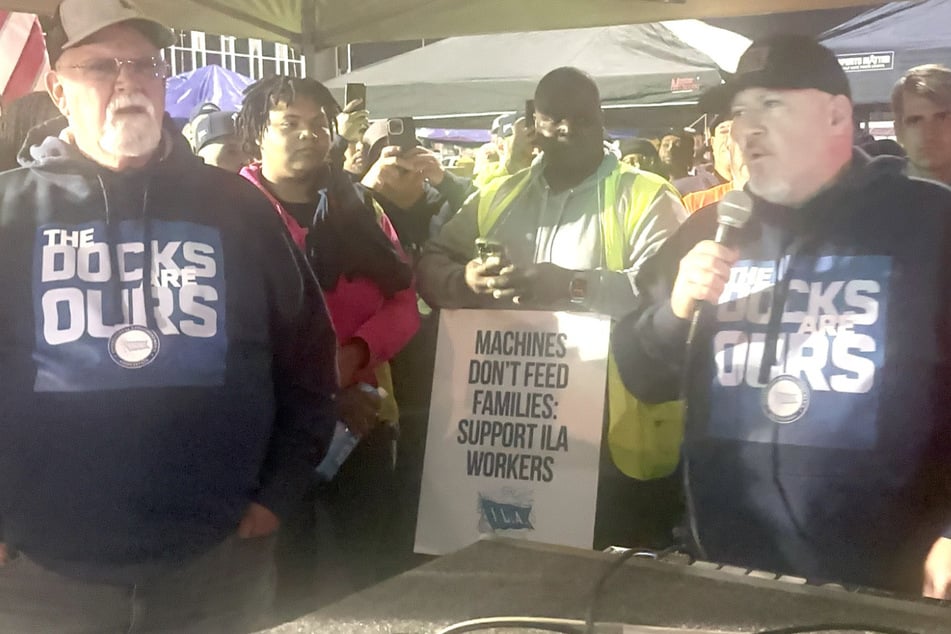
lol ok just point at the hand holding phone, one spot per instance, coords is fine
(486, 249)
(489, 271)
(354, 119)
(355, 92)
(401, 133)
(521, 146)
(530, 114)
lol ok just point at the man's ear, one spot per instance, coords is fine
(54, 86)
(841, 113)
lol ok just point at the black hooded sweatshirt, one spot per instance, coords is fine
(134, 439)
(819, 389)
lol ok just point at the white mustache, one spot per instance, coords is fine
(130, 136)
(129, 100)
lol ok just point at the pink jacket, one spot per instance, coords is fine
(357, 307)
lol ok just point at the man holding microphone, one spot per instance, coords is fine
(819, 418)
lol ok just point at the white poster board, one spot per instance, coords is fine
(514, 428)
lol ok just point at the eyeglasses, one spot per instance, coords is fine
(107, 69)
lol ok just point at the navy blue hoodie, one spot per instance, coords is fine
(132, 438)
(819, 391)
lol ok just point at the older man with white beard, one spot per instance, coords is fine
(167, 364)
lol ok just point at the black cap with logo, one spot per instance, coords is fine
(784, 62)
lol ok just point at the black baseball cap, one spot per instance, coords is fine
(784, 62)
(214, 126)
(638, 145)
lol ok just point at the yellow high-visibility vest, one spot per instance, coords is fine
(644, 440)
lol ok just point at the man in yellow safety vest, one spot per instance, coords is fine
(575, 228)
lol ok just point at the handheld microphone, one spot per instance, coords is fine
(733, 212)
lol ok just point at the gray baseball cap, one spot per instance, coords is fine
(504, 125)
(213, 127)
(77, 20)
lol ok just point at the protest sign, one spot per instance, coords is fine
(514, 428)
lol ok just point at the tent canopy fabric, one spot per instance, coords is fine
(325, 23)
(635, 65)
(218, 85)
(877, 47)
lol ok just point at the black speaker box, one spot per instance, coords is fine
(501, 577)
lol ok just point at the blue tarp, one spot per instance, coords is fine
(445, 135)
(209, 83)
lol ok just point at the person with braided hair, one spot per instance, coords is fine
(286, 125)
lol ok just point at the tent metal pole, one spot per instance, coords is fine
(320, 62)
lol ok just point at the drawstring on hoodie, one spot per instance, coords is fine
(148, 290)
(115, 283)
(320, 214)
(778, 306)
(784, 268)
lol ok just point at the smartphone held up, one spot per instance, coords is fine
(401, 133)
(355, 92)
(486, 249)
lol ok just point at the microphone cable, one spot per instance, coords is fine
(630, 553)
(733, 212)
(565, 626)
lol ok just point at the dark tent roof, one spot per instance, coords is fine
(877, 47)
(811, 23)
(642, 64)
(324, 23)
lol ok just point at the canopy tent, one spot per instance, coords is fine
(878, 46)
(634, 65)
(213, 83)
(316, 24)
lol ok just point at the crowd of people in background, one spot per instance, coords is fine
(193, 316)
